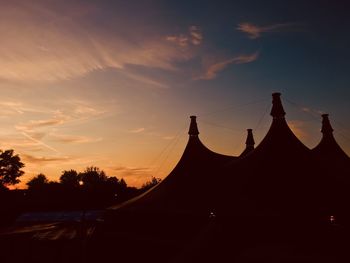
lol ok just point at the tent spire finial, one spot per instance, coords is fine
(326, 125)
(249, 143)
(250, 140)
(193, 131)
(277, 111)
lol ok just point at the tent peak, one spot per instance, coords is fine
(193, 131)
(326, 125)
(249, 143)
(277, 111)
(250, 139)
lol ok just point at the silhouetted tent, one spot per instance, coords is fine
(328, 149)
(190, 187)
(276, 178)
(249, 143)
(334, 164)
(168, 216)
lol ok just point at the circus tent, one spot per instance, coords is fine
(249, 143)
(189, 188)
(277, 177)
(328, 149)
(334, 164)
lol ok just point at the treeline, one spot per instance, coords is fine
(90, 189)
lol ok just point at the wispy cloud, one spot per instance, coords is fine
(41, 128)
(63, 138)
(39, 142)
(255, 31)
(212, 70)
(82, 109)
(38, 43)
(313, 112)
(130, 170)
(194, 37)
(146, 80)
(22, 143)
(138, 130)
(168, 137)
(10, 107)
(180, 40)
(298, 128)
(71, 112)
(39, 123)
(41, 159)
(133, 175)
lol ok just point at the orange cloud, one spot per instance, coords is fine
(194, 37)
(180, 40)
(138, 130)
(168, 137)
(134, 176)
(40, 160)
(39, 142)
(298, 128)
(254, 31)
(63, 138)
(21, 143)
(39, 43)
(40, 123)
(212, 70)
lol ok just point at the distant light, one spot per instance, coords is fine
(115, 195)
(212, 214)
(81, 182)
(332, 219)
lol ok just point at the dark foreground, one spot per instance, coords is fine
(109, 237)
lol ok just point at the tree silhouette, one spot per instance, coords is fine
(116, 186)
(3, 188)
(10, 168)
(93, 177)
(122, 184)
(37, 182)
(90, 189)
(112, 184)
(149, 184)
(70, 178)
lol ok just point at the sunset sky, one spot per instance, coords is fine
(112, 83)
